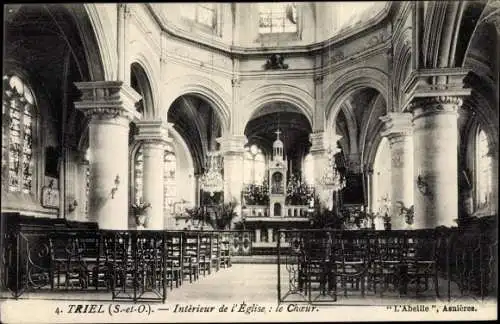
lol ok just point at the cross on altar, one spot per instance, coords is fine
(277, 134)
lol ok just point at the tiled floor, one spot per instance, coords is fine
(250, 283)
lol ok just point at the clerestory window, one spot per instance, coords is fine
(277, 17)
(203, 13)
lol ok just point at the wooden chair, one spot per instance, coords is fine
(204, 254)
(352, 261)
(190, 257)
(421, 260)
(174, 260)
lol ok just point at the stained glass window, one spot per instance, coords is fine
(381, 187)
(308, 169)
(138, 175)
(169, 170)
(254, 165)
(277, 17)
(17, 135)
(203, 13)
(87, 189)
(483, 171)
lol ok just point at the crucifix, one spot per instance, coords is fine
(277, 134)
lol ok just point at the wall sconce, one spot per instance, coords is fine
(115, 188)
(72, 206)
(423, 185)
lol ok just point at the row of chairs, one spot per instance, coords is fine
(132, 261)
(329, 261)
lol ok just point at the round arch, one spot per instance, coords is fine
(261, 96)
(352, 81)
(100, 53)
(145, 84)
(365, 130)
(203, 87)
(352, 127)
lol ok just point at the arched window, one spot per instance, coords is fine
(169, 172)
(202, 13)
(483, 171)
(308, 169)
(259, 167)
(254, 165)
(18, 106)
(381, 187)
(138, 175)
(277, 17)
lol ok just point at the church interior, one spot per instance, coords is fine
(151, 147)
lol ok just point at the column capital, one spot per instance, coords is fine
(232, 143)
(437, 82)
(397, 124)
(107, 100)
(153, 131)
(318, 144)
(424, 106)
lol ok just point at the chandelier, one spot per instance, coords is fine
(331, 178)
(212, 180)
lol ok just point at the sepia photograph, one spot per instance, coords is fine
(250, 161)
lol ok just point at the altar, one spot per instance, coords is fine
(280, 203)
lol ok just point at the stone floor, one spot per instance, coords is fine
(252, 283)
(249, 293)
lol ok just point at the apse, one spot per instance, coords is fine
(293, 125)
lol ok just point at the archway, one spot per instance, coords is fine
(294, 128)
(196, 122)
(73, 56)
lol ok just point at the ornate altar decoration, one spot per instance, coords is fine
(212, 180)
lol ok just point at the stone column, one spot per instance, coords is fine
(435, 160)
(369, 187)
(269, 235)
(493, 154)
(233, 149)
(398, 130)
(110, 105)
(154, 135)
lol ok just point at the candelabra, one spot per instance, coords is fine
(331, 178)
(212, 180)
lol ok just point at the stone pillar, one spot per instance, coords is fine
(110, 105)
(257, 235)
(398, 130)
(493, 154)
(435, 160)
(369, 187)
(269, 235)
(320, 163)
(154, 135)
(233, 148)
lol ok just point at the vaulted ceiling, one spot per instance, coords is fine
(294, 126)
(43, 41)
